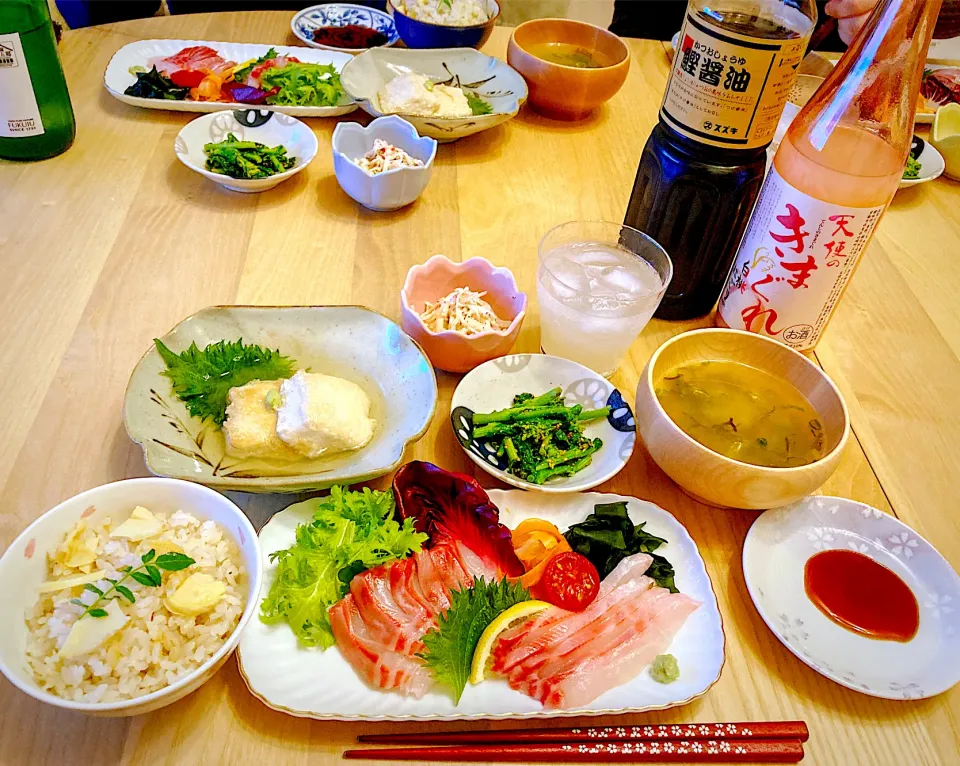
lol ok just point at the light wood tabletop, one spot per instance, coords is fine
(114, 242)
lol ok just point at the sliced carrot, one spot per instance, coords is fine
(535, 542)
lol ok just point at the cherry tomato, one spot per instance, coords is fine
(187, 78)
(569, 581)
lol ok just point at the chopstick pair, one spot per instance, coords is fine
(767, 742)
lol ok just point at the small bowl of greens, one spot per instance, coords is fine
(924, 163)
(248, 150)
(543, 423)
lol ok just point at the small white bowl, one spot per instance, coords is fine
(23, 567)
(931, 162)
(307, 21)
(261, 125)
(395, 188)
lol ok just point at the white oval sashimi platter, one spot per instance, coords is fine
(311, 683)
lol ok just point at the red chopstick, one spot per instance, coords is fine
(695, 731)
(667, 751)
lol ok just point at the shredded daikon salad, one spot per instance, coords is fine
(463, 311)
(384, 157)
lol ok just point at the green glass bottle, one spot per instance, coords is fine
(36, 117)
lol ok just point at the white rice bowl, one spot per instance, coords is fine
(158, 656)
(461, 13)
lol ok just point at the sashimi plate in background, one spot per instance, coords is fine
(311, 683)
(118, 78)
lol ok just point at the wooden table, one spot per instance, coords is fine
(115, 241)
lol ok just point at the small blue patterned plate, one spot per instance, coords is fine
(492, 386)
(340, 15)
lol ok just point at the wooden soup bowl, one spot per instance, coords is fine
(566, 92)
(708, 476)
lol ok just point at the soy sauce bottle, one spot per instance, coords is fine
(702, 167)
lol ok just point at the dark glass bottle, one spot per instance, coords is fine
(36, 117)
(695, 202)
(703, 165)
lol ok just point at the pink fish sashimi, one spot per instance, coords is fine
(626, 616)
(628, 568)
(518, 644)
(380, 667)
(598, 673)
(630, 616)
(380, 624)
(198, 58)
(391, 625)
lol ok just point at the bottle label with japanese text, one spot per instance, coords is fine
(19, 112)
(794, 263)
(728, 89)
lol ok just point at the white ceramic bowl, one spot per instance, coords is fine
(484, 76)
(390, 190)
(23, 567)
(307, 21)
(931, 162)
(261, 125)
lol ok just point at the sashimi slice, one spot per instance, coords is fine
(516, 645)
(473, 565)
(377, 666)
(388, 623)
(430, 582)
(448, 566)
(627, 569)
(403, 593)
(629, 617)
(597, 674)
(197, 58)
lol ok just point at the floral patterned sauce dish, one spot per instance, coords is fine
(450, 350)
(482, 76)
(775, 554)
(492, 386)
(261, 125)
(349, 342)
(307, 21)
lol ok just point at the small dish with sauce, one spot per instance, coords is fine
(344, 27)
(430, 283)
(738, 420)
(571, 67)
(857, 595)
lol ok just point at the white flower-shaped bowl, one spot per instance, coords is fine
(261, 125)
(23, 567)
(392, 189)
(439, 276)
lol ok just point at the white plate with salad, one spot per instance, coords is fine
(199, 76)
(435, 677)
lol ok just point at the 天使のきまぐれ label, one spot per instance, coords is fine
(19, 112)
(795, 260)
(729, 89)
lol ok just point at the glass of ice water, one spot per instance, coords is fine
(598, 285)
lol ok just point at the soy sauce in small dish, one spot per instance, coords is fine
(859, 594)
(349, 36)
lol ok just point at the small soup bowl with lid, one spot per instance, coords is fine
(712, 478)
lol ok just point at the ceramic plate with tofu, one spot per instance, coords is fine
(310, 397)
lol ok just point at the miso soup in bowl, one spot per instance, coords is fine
(739, 420)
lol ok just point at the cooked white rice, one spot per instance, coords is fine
(156, 647)
(460, 13)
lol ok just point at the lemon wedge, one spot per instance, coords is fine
(507, 619)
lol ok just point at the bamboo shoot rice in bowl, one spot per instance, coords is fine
(127, 597)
